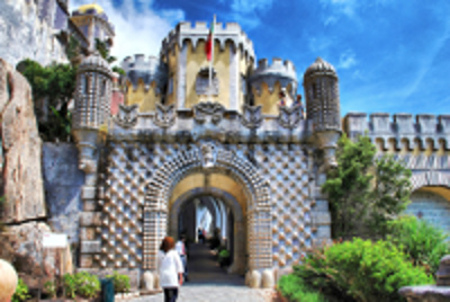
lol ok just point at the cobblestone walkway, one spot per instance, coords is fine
(209, 283)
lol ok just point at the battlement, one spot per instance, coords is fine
(279, 71)
(185, 31)
(278, 67)
(146, 70)
(425, 129)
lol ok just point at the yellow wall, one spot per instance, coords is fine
(216, 180)
(146, 99)
(172, 61)
(196, 60)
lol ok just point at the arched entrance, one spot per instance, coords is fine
(238, 226)
(209, 160)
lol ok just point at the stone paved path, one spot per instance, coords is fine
(209, 283)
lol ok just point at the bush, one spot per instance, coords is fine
(21, 293)
(88, 286)
(121, 282)
(50, 289)
(361, 270)
(83, 284)
(293, 288)
(421, 241)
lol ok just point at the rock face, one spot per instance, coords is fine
(21, 184)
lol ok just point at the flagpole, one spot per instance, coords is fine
(210, 88)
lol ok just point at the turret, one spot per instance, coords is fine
(268, 80)
(322, 106)
(92, 109)
(146, 81)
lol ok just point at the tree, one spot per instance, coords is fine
(364, 193)
(53, 87)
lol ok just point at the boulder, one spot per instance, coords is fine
(22, 246)
(21, 183)
(8, 280)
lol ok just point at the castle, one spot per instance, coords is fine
(180, 143)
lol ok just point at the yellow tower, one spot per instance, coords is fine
(184, 53)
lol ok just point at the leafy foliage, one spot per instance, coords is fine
(22, 292)
(293, 288)
(121, 282)
(50, 289)
(53, 88)
(82, 283)
(365, 193)
(361, 270)
(103, 49)
(421, 241)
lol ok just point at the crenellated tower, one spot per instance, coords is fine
(268, 80)
(184, 53)
(146, 81)
(322, 106)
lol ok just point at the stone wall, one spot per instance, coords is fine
(63, 182)
(29, 30)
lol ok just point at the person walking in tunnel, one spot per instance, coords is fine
(170, 269)
(181, 247)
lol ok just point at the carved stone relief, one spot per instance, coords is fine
(290, 117)
(127, 116)
(252, 116)
(164, 116)
(208, 111)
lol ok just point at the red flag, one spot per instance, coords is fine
(209, 43)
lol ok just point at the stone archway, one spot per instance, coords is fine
(238, 265)
(210, 158)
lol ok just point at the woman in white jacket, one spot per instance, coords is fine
(170, 269)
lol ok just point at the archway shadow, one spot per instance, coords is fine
(204, 268)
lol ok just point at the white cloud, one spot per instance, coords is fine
(138, 29)
(248, 6)
(347, 60)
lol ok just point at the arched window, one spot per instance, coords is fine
(202, 85)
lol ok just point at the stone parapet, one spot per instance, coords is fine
(402, 127)
(282, 72)
(185, 31)
(226, 126)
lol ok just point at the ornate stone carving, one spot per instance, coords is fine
(290, 117)
(252, 116)
(127, 116)
(164, 116)
(208, 109)
(208, 155)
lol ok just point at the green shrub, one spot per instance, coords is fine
(84, 284)
(424, 243)
(50, 289)
(361, 270)
(293, 288)
(121, 282)
(88, 286)
(21, 293)
(70, 286)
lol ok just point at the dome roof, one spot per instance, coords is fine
(94, 62)
(320, 66)
(90, 9)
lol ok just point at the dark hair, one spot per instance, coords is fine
(167, 244)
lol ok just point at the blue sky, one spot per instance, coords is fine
(391, 55)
